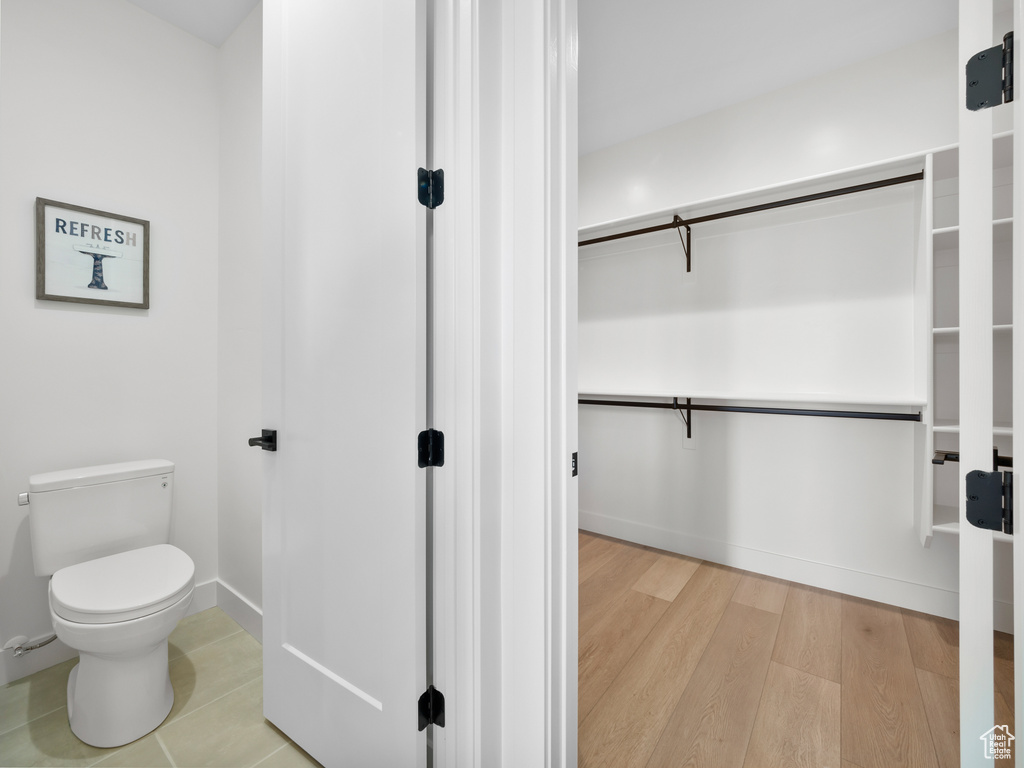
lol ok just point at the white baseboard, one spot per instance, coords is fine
(239, 608)
(870, 586)
(1002, 617)
(203, 596)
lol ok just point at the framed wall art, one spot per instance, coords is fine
(91, 257)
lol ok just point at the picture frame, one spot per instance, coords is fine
(116, 275)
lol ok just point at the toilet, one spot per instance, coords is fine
(117, 590)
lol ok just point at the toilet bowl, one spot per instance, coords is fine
(117, 612)
(117, 590)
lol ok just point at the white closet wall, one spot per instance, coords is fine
(901, 103)
(816, 299)
(239, 331)
(822, 303)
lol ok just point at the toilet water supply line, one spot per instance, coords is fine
(20, 650)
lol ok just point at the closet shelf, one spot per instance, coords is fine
(679, 224)
(955, 330)
(954, 530)
(947, 238)
(818, 398)
(947, 158)
(951, 427)
(938, 502)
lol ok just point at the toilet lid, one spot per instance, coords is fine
(124, 586)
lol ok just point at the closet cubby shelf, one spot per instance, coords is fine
(955, 330)
(938, 510)
(948, 238)
(954, 530)
(947, 158)
(952, 427)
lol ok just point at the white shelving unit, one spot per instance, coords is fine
(939, 498)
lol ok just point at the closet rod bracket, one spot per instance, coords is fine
(689, 413)
(680, 224)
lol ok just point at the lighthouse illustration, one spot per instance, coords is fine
(98, 253)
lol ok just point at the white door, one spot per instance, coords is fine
(344, 545)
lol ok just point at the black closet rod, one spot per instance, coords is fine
(678, 222)
(752, 409)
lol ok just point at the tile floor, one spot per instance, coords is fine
(217, 717)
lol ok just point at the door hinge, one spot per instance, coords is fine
(431, 187)
(431, 708)
(431, 448)
(990, 76)
(990, 500)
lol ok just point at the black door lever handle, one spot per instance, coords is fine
(267, 441)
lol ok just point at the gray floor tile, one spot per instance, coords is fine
(34, 696)
(213, 671)
(47, 741)
(200, 629)
(229, 732)
(217, 719)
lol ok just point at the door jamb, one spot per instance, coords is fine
(505, 381)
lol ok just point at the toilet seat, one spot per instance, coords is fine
(122, 587)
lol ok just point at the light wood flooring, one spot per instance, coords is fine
(688, 663)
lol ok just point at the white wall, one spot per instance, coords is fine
(239, 397)
(815, 300)
(103, 105)
(823, 501)
(895, 104)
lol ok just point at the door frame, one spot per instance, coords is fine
(976, 587)
(1018, 361)
(509, 515)
(505, 504)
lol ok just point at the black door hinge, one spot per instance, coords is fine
(990, 76)
(431, 708)
(431, 186)
(990, 500)
(431, 448)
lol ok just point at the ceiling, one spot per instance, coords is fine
(209, 20)
(646, 64)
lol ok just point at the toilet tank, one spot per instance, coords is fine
(82, 514)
